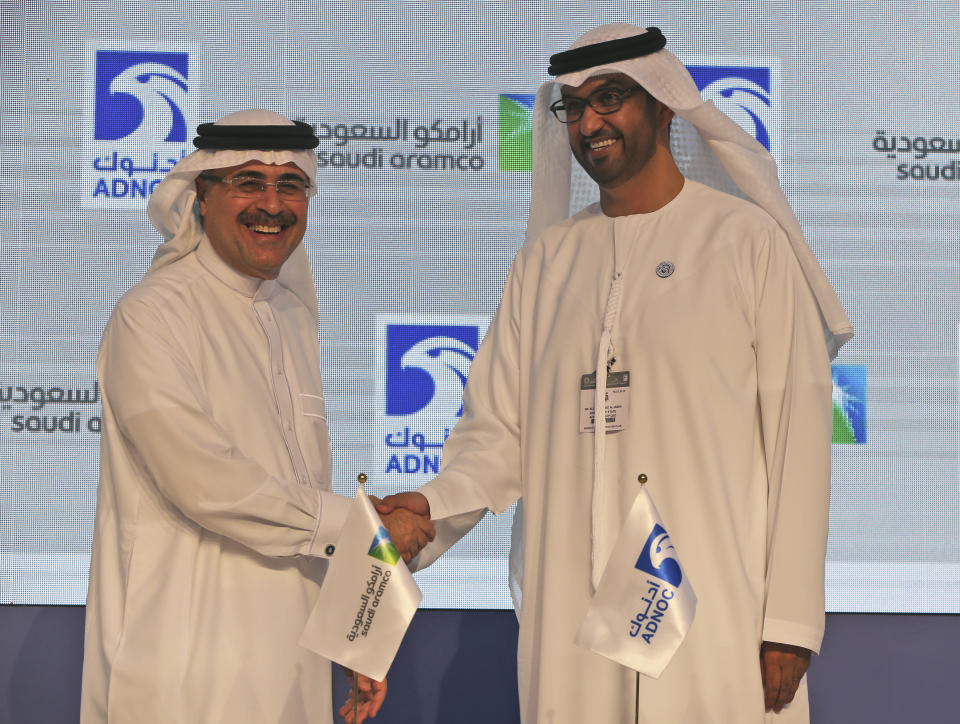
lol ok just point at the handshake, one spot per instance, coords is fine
(406, 516)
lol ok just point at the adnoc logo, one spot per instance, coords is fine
(383, 549)
(428, 364)
(141, 95)
(658, 557)
(137, 117)
(849, 404)
(747, 93)
(423, 366)
(514, 138)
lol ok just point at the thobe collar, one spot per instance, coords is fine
(251, 287)
(676, 200)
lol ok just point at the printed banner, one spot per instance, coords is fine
(367, 600)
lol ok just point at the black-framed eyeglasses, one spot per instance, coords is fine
(292, 188)
(602, 101)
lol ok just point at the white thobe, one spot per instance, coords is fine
(730, 419)
(214, 510)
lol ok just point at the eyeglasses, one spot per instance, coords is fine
(603, 102)
(251, 187)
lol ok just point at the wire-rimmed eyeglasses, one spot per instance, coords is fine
(292, 188)
(602, 101)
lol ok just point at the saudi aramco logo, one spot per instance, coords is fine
(383, 549)
(514, 132)
(849, 404)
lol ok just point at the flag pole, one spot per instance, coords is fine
(642, 479)
(356, 696)
(361, 479)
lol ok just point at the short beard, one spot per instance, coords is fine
(645, 153)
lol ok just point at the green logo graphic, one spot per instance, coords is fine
(383, 548)
(514, 132)
(849, 404)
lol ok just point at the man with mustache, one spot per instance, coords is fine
(715, 325)
(215, 514)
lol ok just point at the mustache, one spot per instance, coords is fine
(262, 218)
(599, 136)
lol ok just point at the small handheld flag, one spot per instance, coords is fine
(644, 603)
(367, 599)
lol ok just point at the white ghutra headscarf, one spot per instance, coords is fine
(748, 164)
(173, 207)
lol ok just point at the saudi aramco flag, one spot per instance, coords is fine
(644, 604)
(367, 599)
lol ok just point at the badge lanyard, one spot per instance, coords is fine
(605, 360)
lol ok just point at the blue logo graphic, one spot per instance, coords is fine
(140, 96)
(849, 404)
(658, 557)
(743, 93)
(427, 363)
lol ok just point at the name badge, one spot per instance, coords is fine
(617, 407)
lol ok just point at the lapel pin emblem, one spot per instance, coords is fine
(665, 269)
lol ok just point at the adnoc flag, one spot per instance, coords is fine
(644, 604)
(367, 599)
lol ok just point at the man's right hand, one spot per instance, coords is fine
(406, 516)
(413, 501)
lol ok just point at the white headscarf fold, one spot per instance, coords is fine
(175, 213)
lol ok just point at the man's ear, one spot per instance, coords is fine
(665, 115)
(201, 187)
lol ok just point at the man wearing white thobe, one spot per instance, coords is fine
(215, 514)
(723, 320)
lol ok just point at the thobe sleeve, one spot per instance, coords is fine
(794, 387)
(154, 393)
(481, 458)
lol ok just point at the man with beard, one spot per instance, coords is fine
(215, 516)
(715, 311)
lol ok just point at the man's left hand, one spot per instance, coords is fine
(781, 668)
(366, 695)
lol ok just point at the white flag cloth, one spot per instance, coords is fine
(367, 599)
(644, 604)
